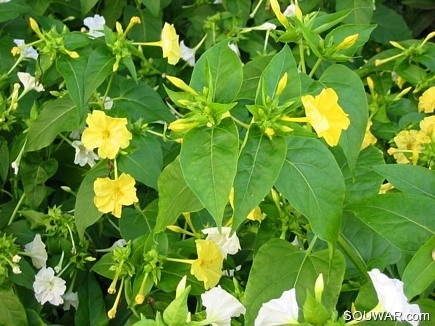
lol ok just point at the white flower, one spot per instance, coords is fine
(118, 243)
(95, 25)
(283, 310)
(16, 166)
(235, 48)
(187, 54)
(216, 2)
(221, 306)
(48, 287)
(16, 259)
(29, 52)
(227, 244)
(77, 134)
(29, 82)
(264, 27)
(16, 270)
(36, 251)
(108, 103)
(290, 11)
(83, 155)
(390, 295)
(70, 299)
(230, 272)
(4, 1)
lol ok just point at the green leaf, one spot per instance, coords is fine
(225, 69)
(4, 159)
(176, 313)
(150, 27)
(208, 160)
(91, 310)
(314, 312)
(35, 173)
(292, 268)
(112, 11)
(419, 274)
(85, 211)
(39, 6)
(138, 100)
(12, 312)
(283, 62)
(352, 98)
(410, 179)
(102, 266)
(407, 215)
(133, 223)
(149, 151)
(153, 6)
(12, 9)
(258, 168)
(175, 196)
(56, 116)
(251, 75)
(312, 182)
(27, 276)
(422, 4)
(391, 25)
(86, 6)
(362, 10)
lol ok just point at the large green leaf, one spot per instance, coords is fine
(391, 25)
(410, 179)
(85, 212)
(91, 310)
(258, 168)
(153, 6)
(362, 10)
(175, 196)
(12, 312)
(208, 160)
(419, 274)
(146, 162)
(251, 75)
(312, 182)
(225, 69)
(292, 268)
(138, 101)
(352, 98)
(283, 62)
(134, 223)
(56, 116)
(86, 6)
(84, 74)
(12, 9)
(35, 173)
(401, 219)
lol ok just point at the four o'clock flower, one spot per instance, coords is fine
(36, 251)
(227, 244)
(95, 25)
(29, 83)
(48, 287)
(28, 52)
(83, 155)
(188, 54)
(220, 307)
(70, 299)
(281, 311)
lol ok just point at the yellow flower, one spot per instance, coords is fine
(426, 102)
(256, 215)
(385, 188)
(277, 10)
(208, 266)
(427, 128)
(368, 137)
(107, 133)
(325, 115)
(111, 195)
(170, 45)
(408, 141)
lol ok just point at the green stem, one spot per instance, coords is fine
(311, 246)
(240, 123)
(156, 133)
(316, 65)
(359, 264)
(16, 209)
(65, 139)
(114, 225)
(301, 53)
(109, 85)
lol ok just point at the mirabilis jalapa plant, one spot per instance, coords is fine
(238, 182)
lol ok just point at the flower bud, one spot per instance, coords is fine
(16, 259)
(139, 299)
(269, 132)
(181, 287)
(181, 84)
(281, 84)
(135, 20)
(16, 269)
(34, 26)
(347, 42)
(318, 288)
(181, 125)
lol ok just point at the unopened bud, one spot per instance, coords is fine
(347, 42)
(269, 132)
(182, 125)
(34, 26)
(16, 259)
(319, 287)
(16, 270)
(139, 299)
(281, 84)
(397, 45)
(181, 84)
(180, 287)
(135, 20)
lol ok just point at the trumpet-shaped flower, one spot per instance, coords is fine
(227, 244)
(426, 102)
(281, 311)
(221, 306)
(36, 251)
(326, 115)
(48, 287)
(235, 48)
(169, 44)
(29, 52)
(70, 299)
(427, 130)
(208, 266)
(187, 54)
(29, 82)
(391, 296)
(95, 25)
(107, 133)
(369, 139)
(406, 140)
(83, 155)
(111, 195)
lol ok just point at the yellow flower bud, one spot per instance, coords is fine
(119, 28)
(281, 84)
(371, 85)
(277, 10)
(397, 45)
(181, 84)
(135, 20)
(182, 125)
(72, 54)
(269, 132)
(139, 299)
(318, 287)
(347, 42)
(34, 26)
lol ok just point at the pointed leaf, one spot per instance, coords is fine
(91, 310)
(12, 312)
(407, 215)
(292, 268)
(312, 182)
(208, 160)
(362, 10)
(175, 196)
(352, 98)
(258, 168)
